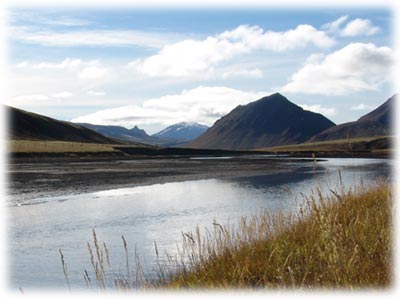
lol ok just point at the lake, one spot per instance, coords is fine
(158, 212)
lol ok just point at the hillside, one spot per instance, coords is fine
(24, 125)
(376, 123)
(268, 122)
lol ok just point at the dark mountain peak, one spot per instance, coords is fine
(274, 102)
(270, 121)
(137, 132)
(277, 97)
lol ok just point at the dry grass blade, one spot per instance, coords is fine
(64, 266)
(340, 241)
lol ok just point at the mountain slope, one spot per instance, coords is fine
(135, 135)
(376, 123)
(184, 131)
(270, 121)
(24, 125)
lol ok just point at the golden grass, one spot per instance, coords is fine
(28, 146)
(341, 145)
(341, 241)
(345, 243)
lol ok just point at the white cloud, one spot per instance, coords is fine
(62, 95)
(352, 28)
(66, 21)
(27, 16)
(33, 97)
(334, 26)
(361, 106)
(95, 93)
(356, 67)
(22, 64)
(92, 69)
(193, 57)
(103, 38)
(40, 99)
(360, 27)
(326, 111)
(255, 38)
(202, 104)
(93, 72)
(68, 63)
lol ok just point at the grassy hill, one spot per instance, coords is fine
(24, 125)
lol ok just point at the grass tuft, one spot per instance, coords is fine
(343, 241)
(340, 241)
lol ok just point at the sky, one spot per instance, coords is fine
(155, 67)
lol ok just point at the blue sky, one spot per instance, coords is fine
(155, 67)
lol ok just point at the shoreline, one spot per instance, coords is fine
(48, 178)
(40, 177)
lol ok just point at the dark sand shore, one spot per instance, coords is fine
(43, 177)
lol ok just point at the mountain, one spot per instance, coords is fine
(24, 125)
(376, 123)
(270, 121)
(118, 132)
(184, 131)
(130, 135)
(139, 133)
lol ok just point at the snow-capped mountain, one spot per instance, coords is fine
(184, 131)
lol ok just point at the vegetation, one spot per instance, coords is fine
(363, 144)
(30, 146)
(342, 241)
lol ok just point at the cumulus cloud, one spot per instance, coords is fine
(359, 27)
(201, 104)
(191, 57)
(326, 111)
(356, 67)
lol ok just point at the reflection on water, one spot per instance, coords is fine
(160, 212)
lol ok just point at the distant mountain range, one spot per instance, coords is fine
(173, 135)
(123, 134)
(376, 123)
(184, 131)
(24, 125)
(268, 122)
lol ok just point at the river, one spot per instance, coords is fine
(157, 212)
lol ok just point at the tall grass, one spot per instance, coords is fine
(29, 146)
(332, 146)
(341, 241)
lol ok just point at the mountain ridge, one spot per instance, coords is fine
(270, 121)
(375, 123)
(25, 125)
(183, 131)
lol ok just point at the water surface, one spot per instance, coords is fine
(159, 212)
